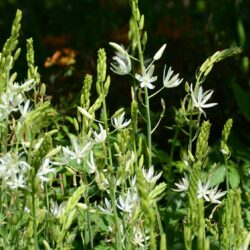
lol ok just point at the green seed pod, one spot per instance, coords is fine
(76, 125)
(42, 90)
(144, 38)
(17, 54)
(141, 23)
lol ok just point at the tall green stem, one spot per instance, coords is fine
(147, 103)
(110, 168)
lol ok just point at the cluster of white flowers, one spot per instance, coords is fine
(211, 195)
(122, 66)
(141, 239)
(13, 97)
(13, 171)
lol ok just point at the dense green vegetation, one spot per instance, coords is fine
(124, 125)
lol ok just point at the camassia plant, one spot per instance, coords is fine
(98, 187)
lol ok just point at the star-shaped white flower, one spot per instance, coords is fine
(107, 207)
(200, 100)
(170, 80)
(119, 122)
(101, 137)
(79, 151)
(128, 202)
(203, 190)
(44, 170)
(149, 175)
(183, 185)
(147, 78)
(121, 64)
(215, 195)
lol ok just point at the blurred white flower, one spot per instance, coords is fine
(215, 195)
(24, 109)
(13, 170)
(26, 86)
(121, 64)
(200, 100)
(45, 169)
(147, 78)
(149, 175)
(91, 163)
(140, 239)
(79, 151)
(101, 137)
(10, 101)
(170, 80)
(16, 181)
(183, 185)
(119, 122)
(203, 190)
(56, 210)
(128, 202)
(107, 207)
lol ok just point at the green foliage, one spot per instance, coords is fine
(101, 184)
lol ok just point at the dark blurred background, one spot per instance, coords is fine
(67, 35)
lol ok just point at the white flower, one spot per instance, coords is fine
(140, 239)
(16, 181)
(149, 176)
(127, 203)
(159, 53)
(26, 86)
(56, 210)
(101, 137)
(24, 109)
(146, 78)
(215, 195)
(122, 64)
(10, 101)
(200, 101)
(119, 123)
(44, 170)
(13, 170)
(91, 163)
(107, 208)
(78, 151)
(183, 185)
(203, 191)
(170, 80)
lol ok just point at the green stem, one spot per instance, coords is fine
(157, 92)
(34, 215)
(141, 59)
(110, 169)
(190, 132)
(149, 137)
(226, 168)
(87, 233)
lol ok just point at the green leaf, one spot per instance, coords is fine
(233, 177)
(217, 176)
(242, 98)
